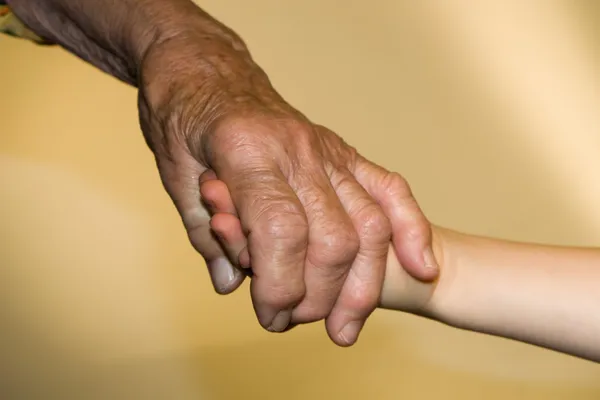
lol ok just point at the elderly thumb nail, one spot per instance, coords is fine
(222, 274)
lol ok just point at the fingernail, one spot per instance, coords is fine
(244, 258)
(222, 274)
(349, 334)
(281, 321)
(429, 258)
(208, 175)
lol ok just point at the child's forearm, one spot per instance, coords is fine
(542, 295)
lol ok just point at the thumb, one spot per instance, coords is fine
(180, 175)
(411, 231)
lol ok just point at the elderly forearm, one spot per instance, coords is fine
(116, 36)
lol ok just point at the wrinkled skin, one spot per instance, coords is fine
(317, 216)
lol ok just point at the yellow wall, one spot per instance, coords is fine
(490, 109)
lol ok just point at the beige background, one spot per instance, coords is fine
(490, 109)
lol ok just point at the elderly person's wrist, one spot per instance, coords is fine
(193, 79)
(115, 36)
(183, 37)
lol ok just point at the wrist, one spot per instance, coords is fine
(193, 80)
(433, 293)
(193, 76)
(190, 63)
(402, 292)
(448, 246)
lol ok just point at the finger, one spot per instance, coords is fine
(216, 195)
(277, 232)
(207, 175)
(326, 267)
(411, 231)
(218, 200)
(228, 229)
(362, 288)
(179, 174)
(332, 246)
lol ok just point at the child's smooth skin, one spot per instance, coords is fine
(547, 296)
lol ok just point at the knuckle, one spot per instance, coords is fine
(345, 184)
(363, 299)
(280, 226)
(396, 185)
(368, 302)
(284, 222)
(340, 246)
(415, 224)
(374, 224)
(303, 130)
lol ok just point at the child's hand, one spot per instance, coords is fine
(400, 290)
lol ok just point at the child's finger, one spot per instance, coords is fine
(208, 175)
(224, 223)
(228, 229)
(216, 196)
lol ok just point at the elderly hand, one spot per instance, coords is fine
(400, 290)
(317, 215)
